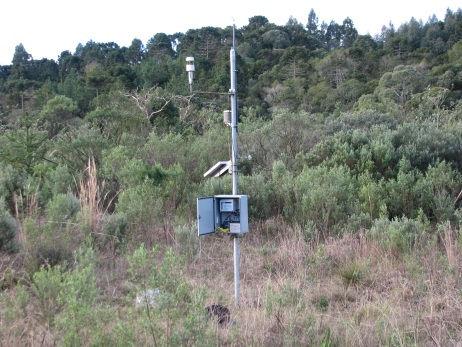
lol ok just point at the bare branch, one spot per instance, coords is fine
(143, 100)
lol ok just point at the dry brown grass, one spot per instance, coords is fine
(296, 293)
(397, 300)
(90, 197)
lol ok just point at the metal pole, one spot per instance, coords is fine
(237, 260)
(233, 93)
(234, 156)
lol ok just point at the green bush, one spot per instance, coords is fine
(282, 186)
(195, 154)
(114, 159)
(49, 251)
(49, 180)
(262, 204)
(7, 229)
(215, 186)
(46, 287)
(352, 273)
(142, 206)
(399, 234)
(151, 201)
(62, 209)
(75, 146)
(424, 144)
(115, 228)
(178, 303)
(67, 299)
(402, 192)
(78, 317)
(60, 180)
(372, 196)
(47, 246)
(327, 197)
(442, 185)
(321, 303)
(433, 192)
(10, 180)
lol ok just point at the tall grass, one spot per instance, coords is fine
(90, 197)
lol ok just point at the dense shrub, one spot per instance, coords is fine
(283, 187)
(10, 181)
(177, 303)
(425, 144)
(62, 209)
(399, 234)
(60, 180)
(48, 252)
(67, 300)
(7, 229)
(372, 196)
(115, 228)
(282, 138)
(262, 204)
(325, 196)
(141, 204)
(439, 189)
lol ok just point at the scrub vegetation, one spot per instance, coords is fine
(350, 152)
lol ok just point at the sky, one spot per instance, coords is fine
(48, 27)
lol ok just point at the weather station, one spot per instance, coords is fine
(225, 213)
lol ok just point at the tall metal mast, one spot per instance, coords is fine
(233, 94)
(234, 160)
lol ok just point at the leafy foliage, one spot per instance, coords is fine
(7, 229)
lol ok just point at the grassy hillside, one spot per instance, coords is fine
(351, 154)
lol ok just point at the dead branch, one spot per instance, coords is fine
(144, 98)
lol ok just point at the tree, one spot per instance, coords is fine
(117, 115)
(20, 55)
(205, 43)
(67, 62)
(400, 84)
(312, 25)
(20, 63)
(154, 72)
(297, 33)
(135, 52)
(160, 46)
(97, 77)
(349, 33)
(314, 34)
(25, 147)
(333, 35)
(74, 87)
(57, 113)
(453, 26)
(336, 67)
(43, 70)
(257, 23)
(275, 38)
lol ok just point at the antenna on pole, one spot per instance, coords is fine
(234, 35)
